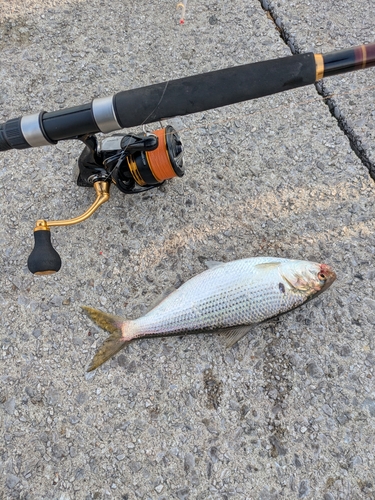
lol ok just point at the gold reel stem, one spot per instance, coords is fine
(102, 195)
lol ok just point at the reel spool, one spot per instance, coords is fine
(133, 163)
(140, 162)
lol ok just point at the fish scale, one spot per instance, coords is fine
(230, 296)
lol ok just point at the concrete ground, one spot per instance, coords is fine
(289, 411)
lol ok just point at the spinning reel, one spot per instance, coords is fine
(133, 163)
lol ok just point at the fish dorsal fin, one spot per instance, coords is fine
(268, 265)
(212, 263)
(234, 334)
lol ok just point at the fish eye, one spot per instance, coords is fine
(322, 277)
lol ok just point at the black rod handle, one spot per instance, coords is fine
(213, 90)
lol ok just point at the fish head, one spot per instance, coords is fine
(308, 278)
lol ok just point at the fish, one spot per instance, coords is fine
(227, 298)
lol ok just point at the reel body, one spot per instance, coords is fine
(133, 163)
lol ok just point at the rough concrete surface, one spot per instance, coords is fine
(308, 26)
(289, 411)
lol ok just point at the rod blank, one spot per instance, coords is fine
(181, 97)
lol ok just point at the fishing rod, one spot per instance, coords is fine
(135, 163)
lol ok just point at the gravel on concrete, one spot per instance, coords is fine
(286, 413)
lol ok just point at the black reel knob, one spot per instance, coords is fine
(43, 259)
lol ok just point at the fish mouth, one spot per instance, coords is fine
(330, 275)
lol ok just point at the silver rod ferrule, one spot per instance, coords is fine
(104, 114)
(32, 131)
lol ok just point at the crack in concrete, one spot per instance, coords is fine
(354, 140)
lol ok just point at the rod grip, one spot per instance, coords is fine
(43, 259)
(213, 90)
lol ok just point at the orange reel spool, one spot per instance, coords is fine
(164, 162)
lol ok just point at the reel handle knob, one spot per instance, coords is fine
(43, 259)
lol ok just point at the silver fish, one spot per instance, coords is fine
(227, 298)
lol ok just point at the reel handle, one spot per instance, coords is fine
(43, 259)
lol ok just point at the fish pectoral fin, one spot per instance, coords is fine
(233, 334)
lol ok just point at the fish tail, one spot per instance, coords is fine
(117, 339)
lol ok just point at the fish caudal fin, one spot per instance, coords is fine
(114, 343)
